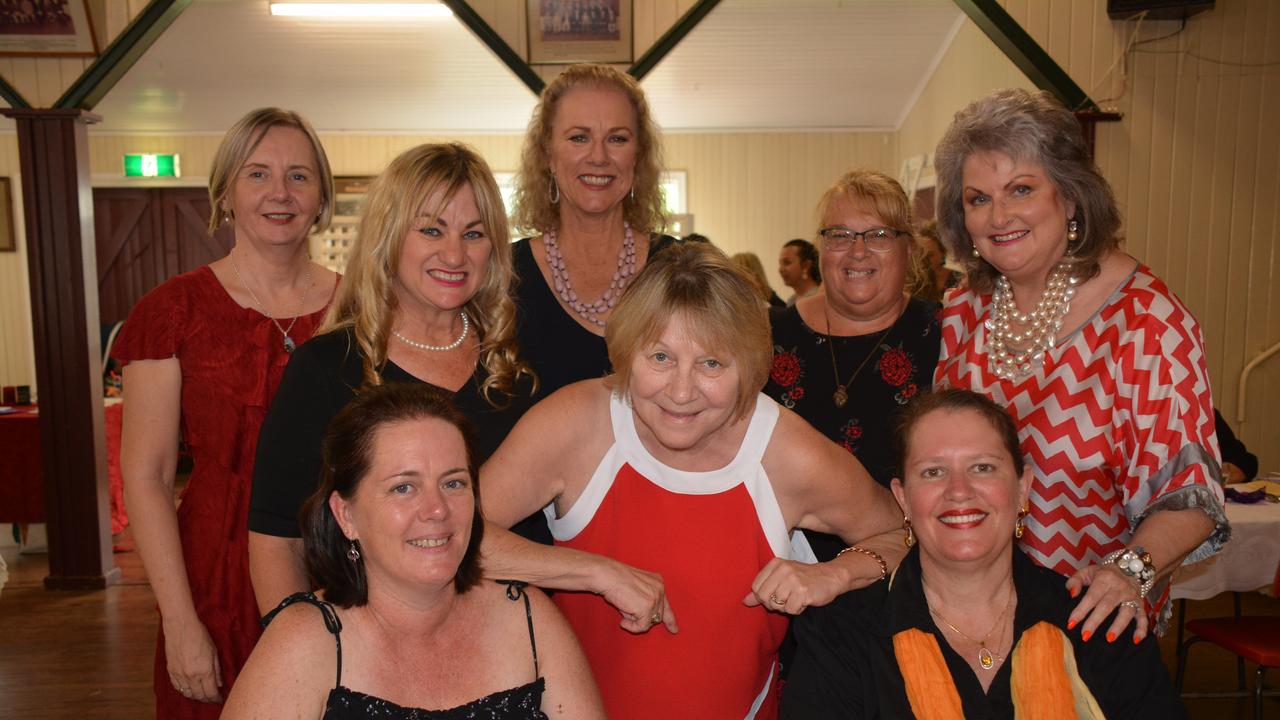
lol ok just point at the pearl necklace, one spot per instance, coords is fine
(560, 277)
(1040, 326)
(288, 342)
(466, 325)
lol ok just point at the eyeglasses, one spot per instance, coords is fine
(880, 240)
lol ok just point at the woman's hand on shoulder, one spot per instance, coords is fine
(1108, 590)
(788, 586)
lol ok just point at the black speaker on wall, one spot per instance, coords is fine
(1157, 9)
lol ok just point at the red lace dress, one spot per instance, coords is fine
(232, 359)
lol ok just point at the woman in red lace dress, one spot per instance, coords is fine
(203, 353)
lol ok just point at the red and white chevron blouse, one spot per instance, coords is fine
(1117, 417)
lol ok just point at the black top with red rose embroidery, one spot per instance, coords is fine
(803, 379)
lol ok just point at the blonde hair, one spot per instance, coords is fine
(240, 142)
(880, 195)
(644, 209)
(367, 300)
(750, 262)
(719, 302)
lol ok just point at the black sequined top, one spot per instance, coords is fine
(520, 703)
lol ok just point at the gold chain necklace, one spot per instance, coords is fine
(841, 395)
(986, 658)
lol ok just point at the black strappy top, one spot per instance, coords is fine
(520, 703)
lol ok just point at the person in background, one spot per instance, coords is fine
(798, 266)
(589, 186)
(930, 277)
(426, 300)
(673, 488)
(1238, 464)
(392, 542)
(695, 237)
(750, 262)
(848, 358)
(203, 354)
(1101, 366)
(967, 626)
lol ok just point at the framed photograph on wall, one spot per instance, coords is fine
(47, 27)
(7, 241)
(572, 31)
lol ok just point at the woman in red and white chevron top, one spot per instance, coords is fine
(1101, 366)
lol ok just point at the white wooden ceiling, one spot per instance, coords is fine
(750, 64)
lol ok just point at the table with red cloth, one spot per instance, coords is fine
(22, 467)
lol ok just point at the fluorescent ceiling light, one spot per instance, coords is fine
(360, 9)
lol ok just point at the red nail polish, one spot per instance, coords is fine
(1075, 592)
(1071, 624)
(1111, 637)
(1086, 634)
(1137, 640)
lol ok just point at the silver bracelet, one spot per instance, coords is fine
(1135, 562)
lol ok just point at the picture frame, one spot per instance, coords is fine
(562, 32)
(8, 242)
(52, 28)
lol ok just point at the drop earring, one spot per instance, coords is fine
(353, 553)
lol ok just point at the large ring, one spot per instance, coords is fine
(1137, 606)
(774, 599)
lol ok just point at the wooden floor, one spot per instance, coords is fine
(82, 655)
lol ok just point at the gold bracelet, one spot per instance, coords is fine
(884, 567)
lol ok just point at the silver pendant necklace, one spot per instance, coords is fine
(466, 325)
(289, 344)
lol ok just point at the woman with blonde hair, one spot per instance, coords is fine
(848, 358)
(589, 186)
(426, 300)
(750, 262)
(673, 488)
(203, 354)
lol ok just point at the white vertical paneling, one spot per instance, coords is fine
(1193, 164)
(16, 366)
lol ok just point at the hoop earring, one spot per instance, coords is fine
(633, 193)
(909, 538)
(353, 553)
(554, 193)
(1018, 527)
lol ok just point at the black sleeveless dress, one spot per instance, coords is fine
(519, 703)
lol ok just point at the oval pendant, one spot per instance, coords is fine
(985, 658)
(839, 397)
(289, 344)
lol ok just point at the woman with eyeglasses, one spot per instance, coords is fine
(847, 358)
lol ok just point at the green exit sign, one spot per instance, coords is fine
(146, 165)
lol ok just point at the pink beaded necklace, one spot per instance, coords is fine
(560, 277)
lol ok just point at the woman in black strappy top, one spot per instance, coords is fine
(404, 628)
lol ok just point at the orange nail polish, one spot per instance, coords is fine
(1075, 592)
(1111, 637)
(1137, 640)
(1071, 624)
(1086, 634)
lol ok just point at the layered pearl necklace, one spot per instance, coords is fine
(466, 325)
(591, 312)
(1013, 354)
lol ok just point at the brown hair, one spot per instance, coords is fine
(955, 399)
(347, 455)
(719, 301)
(240, 142)
(366, 299)
(534, 211)
(750, 262)
(1032, 127)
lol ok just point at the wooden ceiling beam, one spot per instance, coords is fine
(490, 37)
(671, 38)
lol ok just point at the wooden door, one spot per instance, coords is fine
(145, 237)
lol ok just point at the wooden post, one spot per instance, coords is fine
(57, 204)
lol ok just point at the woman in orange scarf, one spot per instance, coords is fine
(967, 627)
